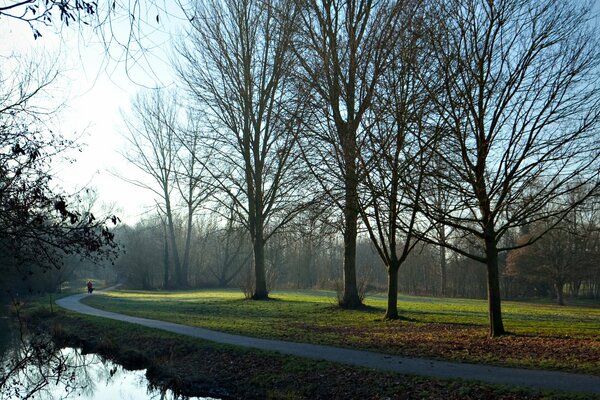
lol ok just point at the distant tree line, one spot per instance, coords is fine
(309, 256)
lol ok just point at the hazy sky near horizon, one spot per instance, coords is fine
(97, 82)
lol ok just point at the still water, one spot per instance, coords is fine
(34, 368)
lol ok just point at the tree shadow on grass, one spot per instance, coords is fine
(362, 308)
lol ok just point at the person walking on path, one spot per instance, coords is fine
(90, 286)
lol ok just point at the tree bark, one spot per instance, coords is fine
(443, 270)
(165, 258)
(392, 295)
(350, 297)
(493, 290)
(260, 291)
(173, 239)
(185, 266)
(575, 287)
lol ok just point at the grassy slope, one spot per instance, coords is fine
(545, 336)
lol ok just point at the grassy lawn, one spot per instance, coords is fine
(545, 336)
(198, 368)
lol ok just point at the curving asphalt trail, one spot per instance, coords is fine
(544, 380)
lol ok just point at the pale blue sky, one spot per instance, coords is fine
(98, 84)
(95, 86)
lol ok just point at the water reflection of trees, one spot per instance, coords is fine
(33, 366)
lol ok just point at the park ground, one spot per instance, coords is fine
(543, 336)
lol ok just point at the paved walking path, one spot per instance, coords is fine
(549, 380)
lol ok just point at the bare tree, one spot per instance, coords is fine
(516, 84)
(343, 51)
(192, 181)
(398, 145)
(442, 233)
(152, 135)
(553, 259)
(237, 66)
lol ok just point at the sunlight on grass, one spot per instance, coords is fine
(319, 307)
(434, 327)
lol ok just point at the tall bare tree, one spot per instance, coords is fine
(192, 181)
(152, 134)
(237, 65)
(343, 51)
(517, 86)
(398, 144)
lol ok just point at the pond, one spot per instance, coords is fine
(35, 368)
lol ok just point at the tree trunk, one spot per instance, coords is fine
(260, 291)
(560, 298)
(186, 252)
(260, 276)
(443, 270)
(175, 253)
(575, 287)
(392, 295)
(173, 240)
(165, 258)
(493, 291)
(350, 298)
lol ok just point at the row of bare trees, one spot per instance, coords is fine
(453, 123)
(167, 151)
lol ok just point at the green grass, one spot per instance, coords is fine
(227, 310)
(545, 336)
(197, 367)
